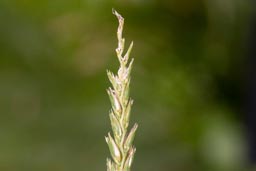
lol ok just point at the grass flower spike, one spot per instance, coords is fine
(120, 145)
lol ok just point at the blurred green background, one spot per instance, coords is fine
(186, 83)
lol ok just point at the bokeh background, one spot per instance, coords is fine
(188, 83)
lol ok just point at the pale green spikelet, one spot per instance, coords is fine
(121, 148)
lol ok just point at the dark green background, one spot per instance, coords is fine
(187, 83)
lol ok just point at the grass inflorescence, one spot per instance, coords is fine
(121, 143)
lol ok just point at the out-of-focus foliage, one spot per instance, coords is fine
(187, 83)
